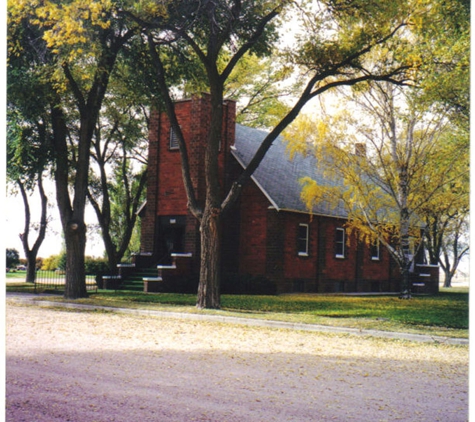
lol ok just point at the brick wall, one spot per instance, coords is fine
(269, 246)
(275, 249)
(253, 242)
(171, 197)
(300, 271)
(231, 241)
(258, 239)
(166, 194)
(148, 224)
(376, 273)
(357, 271)
(193, 117)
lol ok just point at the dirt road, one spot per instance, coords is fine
(96, 366)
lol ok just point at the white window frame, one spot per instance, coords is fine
(376, 246)
(342, 242)
(299, 239)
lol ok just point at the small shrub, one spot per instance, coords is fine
(92, 266)
(96, 266)
(12, 257)
(51, 263)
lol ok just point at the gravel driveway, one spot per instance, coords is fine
(97, 366)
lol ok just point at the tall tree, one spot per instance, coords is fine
(444, 35)
(332, 51)
(444, 49)
(446, 238)
(12, 257)
(446, 215)
(261, 89)
(75, 48)
(116, 191)
(118, 176)
(28, 156)
(454, 249)
(388, 165)
(27, 161)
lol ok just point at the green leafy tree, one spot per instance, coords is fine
(118, 172)
(446, 215)
(116, 193)
(453, 244)
(12, 257)
(444, 35)
(260, 89)
(388, 162)
(28, 138)
(332, 50)
(28, 159)
(73, 47)
(431, 176)
(454, 249)
(444, 52)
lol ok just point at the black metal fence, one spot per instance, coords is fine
(55, 281)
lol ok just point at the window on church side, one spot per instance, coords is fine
(302, 240)
(340, 243)
(375, 250)
(173, 140)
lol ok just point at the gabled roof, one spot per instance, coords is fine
(278, 176)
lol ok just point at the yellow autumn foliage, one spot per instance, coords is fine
(73, 32)
(385, 172)
(70, 28)
(66, 23)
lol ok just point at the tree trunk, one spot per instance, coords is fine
(115, 252)
(112, 258)
(405, 283)
(457, 255)
(31, 266)
(88, 104)
(32, 253)
(103, 217)
(72, 218)
(449, 271)
(448, 278)
(75, 237)
(210, 268)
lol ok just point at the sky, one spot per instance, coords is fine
(14, 220)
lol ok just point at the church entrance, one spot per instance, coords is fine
(171, 237)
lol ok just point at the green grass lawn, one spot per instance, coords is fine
(42, 276)
(17, 275)
(444, 314)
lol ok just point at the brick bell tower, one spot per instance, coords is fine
(167, 225)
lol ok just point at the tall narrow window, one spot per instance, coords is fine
(173, 139)
(340, 243)
(375, 250)
(302, 240)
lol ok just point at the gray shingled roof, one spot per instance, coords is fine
(278, 176)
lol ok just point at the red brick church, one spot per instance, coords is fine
(270, 235)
